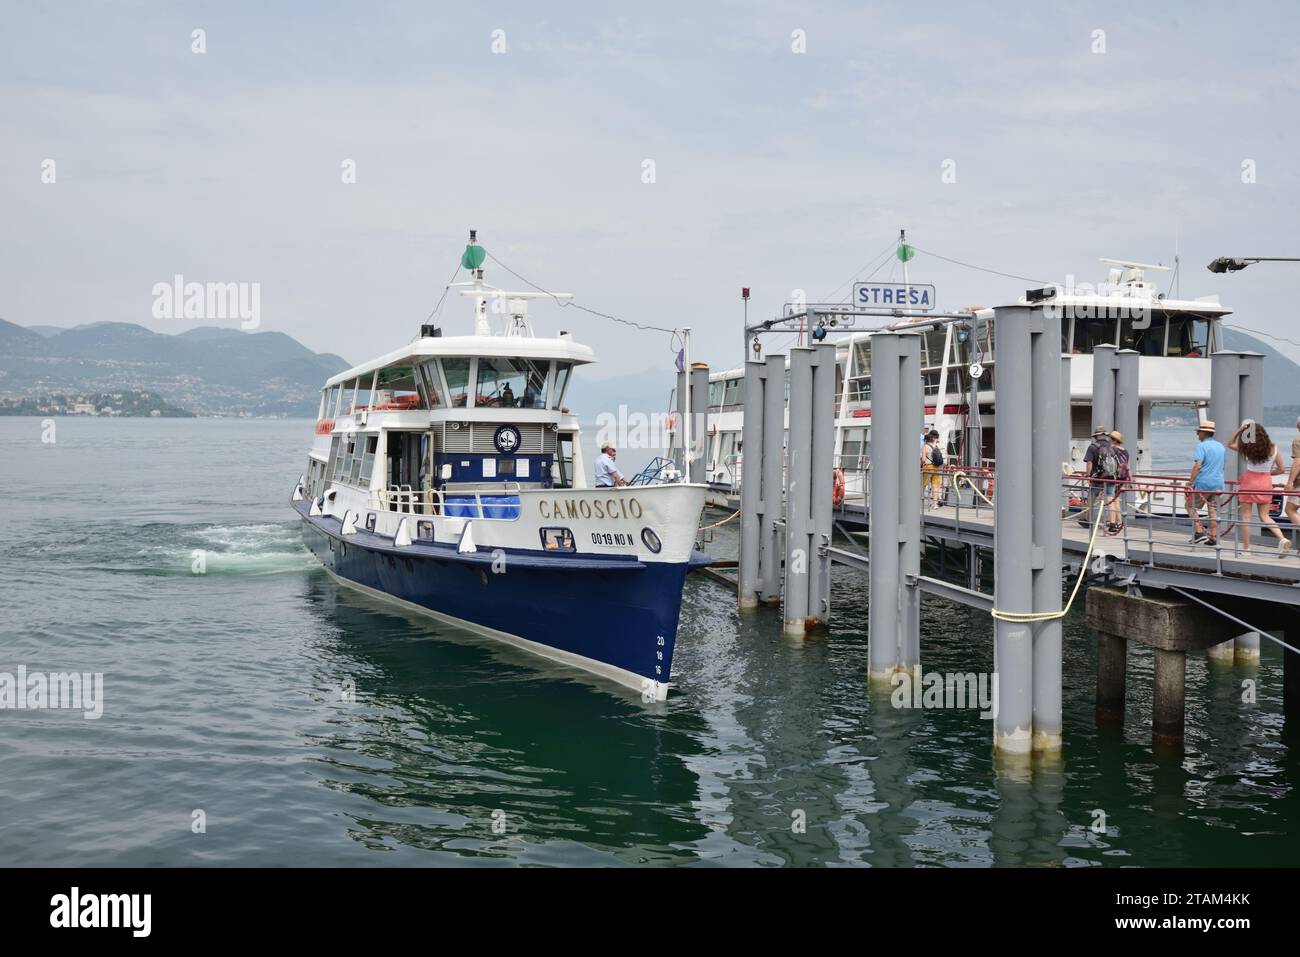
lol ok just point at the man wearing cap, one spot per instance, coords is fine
(1090, 467)
(1207, 482)
(607, 476)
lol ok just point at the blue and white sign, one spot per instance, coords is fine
(893, 295)
(507, 439)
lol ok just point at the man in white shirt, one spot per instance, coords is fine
(607, 476)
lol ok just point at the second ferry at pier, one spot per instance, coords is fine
(1174, 339)
(448, 476)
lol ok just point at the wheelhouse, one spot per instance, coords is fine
(481, 414)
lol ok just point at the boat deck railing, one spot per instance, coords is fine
(498, 503)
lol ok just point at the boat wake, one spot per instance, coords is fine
(167, 549)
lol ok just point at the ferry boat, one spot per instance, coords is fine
(1174, 370)
(448, 476)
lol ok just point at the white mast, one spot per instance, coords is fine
(686, 385)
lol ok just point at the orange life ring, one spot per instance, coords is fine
(837, 490)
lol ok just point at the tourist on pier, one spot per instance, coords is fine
(1255, 486)
(932, 468)
(1293, 501)
(1114, 489)
(607, 476)
(1092, 469)
(1206, 483)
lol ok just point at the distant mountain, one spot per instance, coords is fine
(211, 370)
(1281, 375)
(645, 392)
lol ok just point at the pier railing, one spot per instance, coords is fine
(1152, 525)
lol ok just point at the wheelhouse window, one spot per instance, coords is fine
(562, 370)
(511, 383)
(1090, 333)
(1188, 337)
(429, 381)
(398, 388)
(1143, 334)
(457, 371)
(362, 394)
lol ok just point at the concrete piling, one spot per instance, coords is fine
(798, 534)
(699, 422)
(1112, 678)
(1027, 537)
(821, 502)
(773, 470)
(752, 507)
(1046, 556)
(1171, 627)
(897, 403)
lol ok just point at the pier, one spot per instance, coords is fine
(1050, 552)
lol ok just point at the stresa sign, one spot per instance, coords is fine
(893, 295)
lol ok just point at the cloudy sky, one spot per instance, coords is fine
(773, 168)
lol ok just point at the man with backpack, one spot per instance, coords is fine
(1094, 468)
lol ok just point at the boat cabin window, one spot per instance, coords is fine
(562, 370)
(511, 383)
(1188, 337)
(347, 391)
(1146, 336)
(731, 394)
(860, 371)
(557, 540)
(456, 370)
(361, 393)
(1090, 333)
(399, 389)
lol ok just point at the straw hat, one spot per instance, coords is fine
(1117, 436)
(1206, 426)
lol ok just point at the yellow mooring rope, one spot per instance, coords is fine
(962, 476)
(1023, 617)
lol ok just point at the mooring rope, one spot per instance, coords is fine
(704, 528)
(1024, 617)
(962, 476)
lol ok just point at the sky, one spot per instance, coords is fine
(790, 142)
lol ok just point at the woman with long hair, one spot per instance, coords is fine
(1263, 460)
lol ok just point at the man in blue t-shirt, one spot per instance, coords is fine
(1206, 481)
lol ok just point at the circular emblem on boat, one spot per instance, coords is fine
(507, 439)
(651, 540)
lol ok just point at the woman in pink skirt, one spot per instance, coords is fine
(1263, 460)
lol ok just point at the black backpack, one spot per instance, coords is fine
(1107, 465)
(936, 457)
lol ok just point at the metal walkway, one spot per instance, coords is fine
(1152, 549)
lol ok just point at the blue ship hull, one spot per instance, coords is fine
(615, 616)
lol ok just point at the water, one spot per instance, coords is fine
(224, 692)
